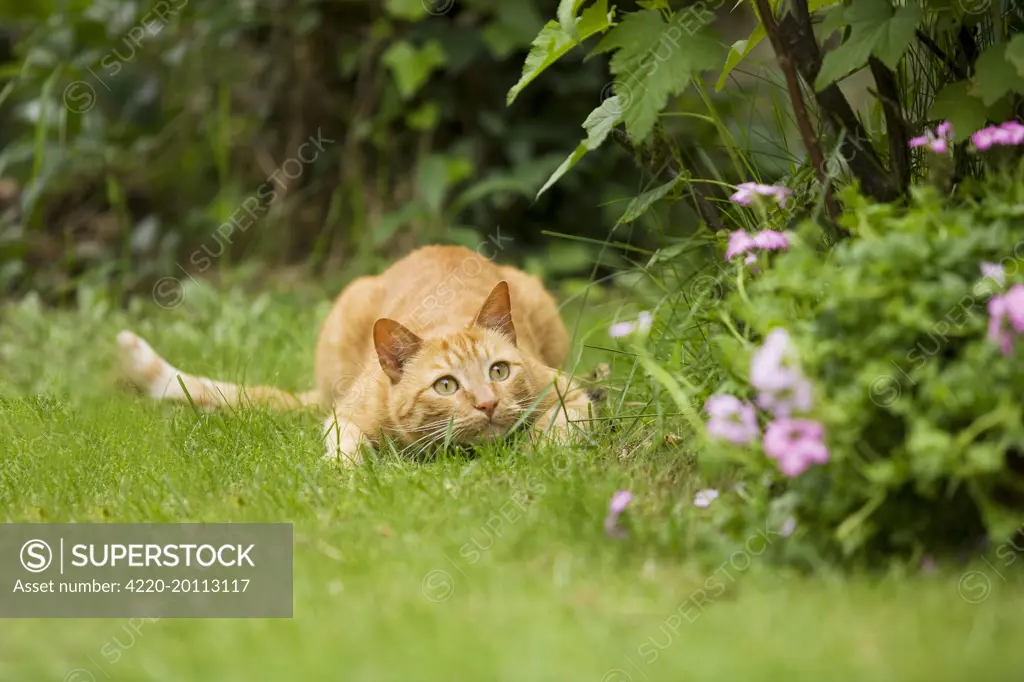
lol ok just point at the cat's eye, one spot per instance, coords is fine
(446, 385)
(499, 371)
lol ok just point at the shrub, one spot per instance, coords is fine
(921, 410)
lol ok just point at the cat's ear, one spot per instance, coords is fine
(395, 345)
(496, 312)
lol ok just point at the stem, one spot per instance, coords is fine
(811, 142)
(926, 40)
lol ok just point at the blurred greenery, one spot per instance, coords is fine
(143, 139)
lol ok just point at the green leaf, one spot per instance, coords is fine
(740, 49)
(567, 15)
(577, 154)
(815, 5)
(956, 105)
(436, 174)
(1015, 53)
(553, 42)
(898, 34)
(424, 117)
(598, 125)
(635, 30)
(994, 75)
(411, 67)
(639, 204)
(875, 30)
(653, 61)
(409, 10)
(832, 22)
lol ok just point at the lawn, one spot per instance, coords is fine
(493, 566)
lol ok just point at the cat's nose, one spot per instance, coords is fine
(487, 406)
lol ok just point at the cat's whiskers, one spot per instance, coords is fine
(438, 430)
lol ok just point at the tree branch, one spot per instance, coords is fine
(797, 32)
(895, 124)
(810, 139)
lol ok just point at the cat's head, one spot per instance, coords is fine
(476, 379)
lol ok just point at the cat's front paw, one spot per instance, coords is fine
(564, 424)
(343, 443)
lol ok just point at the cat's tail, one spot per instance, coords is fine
(159, 379)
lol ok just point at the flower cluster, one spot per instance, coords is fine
(1008, 134)
(794, 444)
(748, 191)
(767, 240)
(782, 388)
(731, 419)
(1008, 307)
(938, 141)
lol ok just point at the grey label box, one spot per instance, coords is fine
(152, 570)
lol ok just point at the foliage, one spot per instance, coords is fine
(133, 132)
(922, 411)
(936, 60)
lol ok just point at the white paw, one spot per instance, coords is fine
(343, 443)
(562, 424)
(143, 367)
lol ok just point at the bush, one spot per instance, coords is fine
(922, 412)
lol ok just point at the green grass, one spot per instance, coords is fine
(491, 567)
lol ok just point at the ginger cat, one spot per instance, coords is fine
(444, 341)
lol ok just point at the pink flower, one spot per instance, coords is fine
(747, 191)
(775, 371)
(1014, 299)
(731, 419)
(994, 271)
(620, 499)
(770, 240)
(739, 242)
(704, 498)
(982, 139)
(938, 141)
(796, 397)
(767, 371)
(795, 444)
(997, 332)
(642, 324)
(766, 240)
(1010, 133)
(1009, 306)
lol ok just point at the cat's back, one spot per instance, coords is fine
(439, 288)
(435, 277)
(436, 264)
